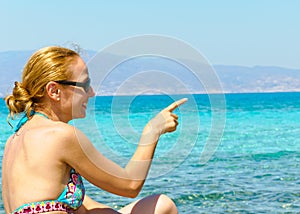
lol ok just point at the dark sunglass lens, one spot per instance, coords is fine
(87, 85)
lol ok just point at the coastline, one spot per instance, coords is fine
(184, 94)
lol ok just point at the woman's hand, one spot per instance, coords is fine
(166, 120)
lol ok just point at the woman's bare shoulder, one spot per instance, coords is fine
(64, 129)
(53, 132)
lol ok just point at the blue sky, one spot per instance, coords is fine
(230, 32)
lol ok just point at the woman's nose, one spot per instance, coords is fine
(91, 92)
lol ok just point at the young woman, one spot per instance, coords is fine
(45, 158)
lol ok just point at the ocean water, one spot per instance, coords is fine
(255, 155)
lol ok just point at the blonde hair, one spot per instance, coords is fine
(45, 65)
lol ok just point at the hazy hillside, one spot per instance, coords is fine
(150, 75)
(258, 79)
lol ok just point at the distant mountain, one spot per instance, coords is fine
(258, 79)
(147, 75)
(11, 64)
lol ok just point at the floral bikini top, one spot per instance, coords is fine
(69, 200)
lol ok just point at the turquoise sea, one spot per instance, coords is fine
(255, 162)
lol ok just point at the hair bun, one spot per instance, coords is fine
(19, 101)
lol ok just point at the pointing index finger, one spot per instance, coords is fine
(176, 104)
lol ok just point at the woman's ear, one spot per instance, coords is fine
(53, 91)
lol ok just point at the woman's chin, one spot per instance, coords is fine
(79, 115)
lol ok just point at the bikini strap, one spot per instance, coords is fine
(24, 119)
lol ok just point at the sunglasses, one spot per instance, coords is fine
(85, 85)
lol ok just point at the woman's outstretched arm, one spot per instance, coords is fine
(79, 153)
